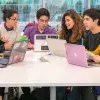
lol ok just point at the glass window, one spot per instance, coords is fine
(26, 8)
(95, 4)
(58, 7)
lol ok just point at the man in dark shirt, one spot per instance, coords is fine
(92, 39)
(92, 23)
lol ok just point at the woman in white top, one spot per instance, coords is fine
(10, 31)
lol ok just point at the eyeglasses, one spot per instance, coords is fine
(14, 19)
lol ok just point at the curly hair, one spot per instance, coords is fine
(78, 28)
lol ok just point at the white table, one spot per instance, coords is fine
(55, 72)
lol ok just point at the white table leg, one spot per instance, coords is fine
(52, 93)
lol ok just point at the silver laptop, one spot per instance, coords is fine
(40, 43)
(16, 55)
(57, 47)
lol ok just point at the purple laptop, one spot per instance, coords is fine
(76, 55)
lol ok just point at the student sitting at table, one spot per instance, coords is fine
(9, 30)
(41, 27)
(72, 31)
(92, 39)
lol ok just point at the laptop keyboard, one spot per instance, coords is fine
(93, 64)
(3, 61)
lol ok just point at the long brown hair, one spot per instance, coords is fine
(78, 28)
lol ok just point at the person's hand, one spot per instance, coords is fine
(90, 55)
(4, 38)
(96, 58)
(8, 45)
(30, 46)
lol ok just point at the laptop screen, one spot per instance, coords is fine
(76, 54)
(57, 47)
(18, 52)
(15, 55)
(40, 43)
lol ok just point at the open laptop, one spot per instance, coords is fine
(40, 43)
(57, 47)
(76, 55)
(16, 55)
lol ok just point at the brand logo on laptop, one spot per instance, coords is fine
(75, 54)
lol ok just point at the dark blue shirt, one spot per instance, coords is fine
(92, 41)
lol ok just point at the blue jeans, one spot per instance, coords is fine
(97, 90)
(75, 94)
(81, 93)
(60, 93)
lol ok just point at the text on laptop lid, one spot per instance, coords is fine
(40, 43)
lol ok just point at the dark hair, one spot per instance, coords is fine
(42, 12)
(78, 28)
(93, 13)
(7, 13)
